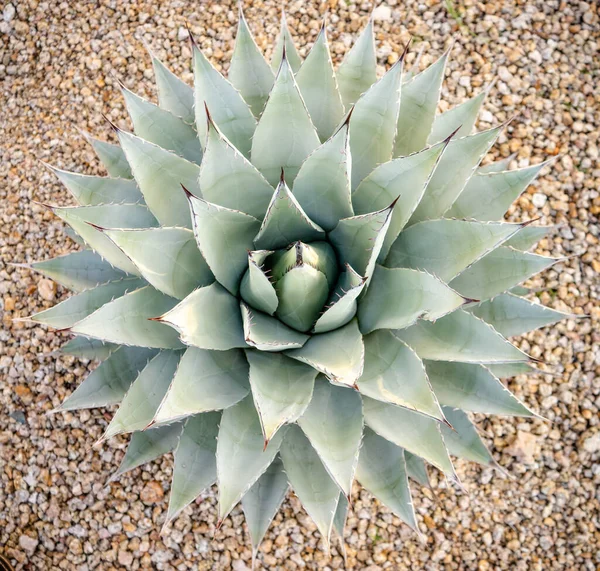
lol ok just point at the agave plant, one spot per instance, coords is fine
(298, 276)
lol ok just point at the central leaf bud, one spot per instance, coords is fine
(303, 276)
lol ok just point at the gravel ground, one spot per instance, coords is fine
(57, 61)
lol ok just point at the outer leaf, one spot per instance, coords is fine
(499, 271)
(195, 467)
(446, 247)
(373, 124)
(285, 49)
(488, 196)
(262, 501)
(174, 95)
(418, 105)
(333, 423)
(318, 493)
(127, 321)
(337, 354)
(208, 318)
(224, 237)
(358, 70)
(394, 374)
(145, 394)
(85, 220)
(167, 257)
(506, 370)
(162, 128)
(382, 471)
(456, 167)
(460, 337)
(416, 469)
(404, 180)
(241, 455)
(318, 86)
(229, 111)
(410, 430)
(267, 333)
(111, 156)
(78, 271)
(472, 388)
(285, 222)
(205, 381)
(398, 297)
(160, 174)
(322, 186)
(281, 389)
(339, 521)
(512, 315)
(285, 135)
(94, 190)
(528, 236)
(84, 348)
(256, 289)
(77, 307)
(249, 73)
(229, 179)
(109, 382)
(497, 166)
(464, 441)
(461, 117)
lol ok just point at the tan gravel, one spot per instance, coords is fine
(56, 61)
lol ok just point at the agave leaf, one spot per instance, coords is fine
(499, 271)
(472, 388)
(281, 389)
(460, 337)
(404, 180)
(262, 501)
(95, 190)
(86, 221)
(78, 271)
(224, 237)
(167, 257)
(358, 70)
(229, 110)
(77, 307)
(416, 469)
(382, 471)
(228, 179)
(208, 318)
(111, 156)
(205, 381)
(511, 315)
(147, 446)
(410, 430)
(373, 124)
(195, 467)
(339, 521)
(276, 146)
(241, 454)
(285, 49)
(506, 370)
(394, 374)
(338, 354)
(249, 73)
(160, 174)
(398, 297)
(454, 170)
(256, 289)
(497, 166)
(127, 321)
(139, 405)
(267, 333)
(162, 128)
(461, 117)
(528, 236)
(418, 104)
(310, 481)
(464, 441)
(519, 290)
(107, 384)
(84, 348)
(446, 247)
(318, 86)
(174, 95)
(342, 308)
(333, 422)
(322, 186)
(488, 196)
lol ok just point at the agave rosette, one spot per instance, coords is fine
(298, 276)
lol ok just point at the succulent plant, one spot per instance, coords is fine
(299, 277)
